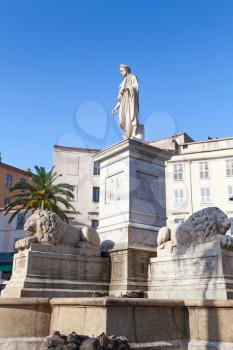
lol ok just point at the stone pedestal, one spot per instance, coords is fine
(205, 272)
(129, 268)
(58, 271)
(131, 210)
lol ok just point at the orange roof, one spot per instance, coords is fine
(7, 166)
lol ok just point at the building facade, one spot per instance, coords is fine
(200, 176)
(77, 167)
(9, 175)
(172, 143)
(9, 232)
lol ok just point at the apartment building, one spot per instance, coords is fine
(9, 175)
(199, 176)
(77, 168)
(9, 232)
(173, 142)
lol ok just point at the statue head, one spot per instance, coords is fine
(124, 69)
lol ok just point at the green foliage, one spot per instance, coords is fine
(41, 191)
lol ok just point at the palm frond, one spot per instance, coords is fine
(40, 191)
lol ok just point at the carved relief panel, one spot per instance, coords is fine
(114, 187)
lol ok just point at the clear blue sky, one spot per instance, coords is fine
(59, 71)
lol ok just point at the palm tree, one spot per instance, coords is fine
(40, 192)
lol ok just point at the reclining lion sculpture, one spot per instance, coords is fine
(46, 227)
(205, 225)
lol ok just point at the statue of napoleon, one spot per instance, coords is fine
(128, 105)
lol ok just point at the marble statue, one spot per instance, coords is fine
(47, 228)
(128, 103)
(203, 226)
(194, 259)
(57, 260)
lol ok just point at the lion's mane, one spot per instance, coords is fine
(47, 228)
(204, 222)
(200, 227)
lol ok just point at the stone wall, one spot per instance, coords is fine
(148, 324)
(24, 323)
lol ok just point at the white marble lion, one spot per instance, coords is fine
(205, 225)
(46, 227)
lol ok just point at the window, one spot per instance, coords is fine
(95, 194)
(72, 165)
(22, 181)
(178, 171)
(231, 221)
(229, 167)
(204, 170)
(205, 195)
(96, 168)
(20, 221)
(95, 223)
(230, 193)
(179, 196)
(7, 201)
(179, 221)
(9, 180)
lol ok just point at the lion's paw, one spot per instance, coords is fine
(226, 241)
(24, 243)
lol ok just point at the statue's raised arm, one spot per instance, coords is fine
(128, 104)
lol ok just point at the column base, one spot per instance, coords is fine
(129, 269)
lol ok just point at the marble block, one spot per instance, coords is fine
(202, 273)
(129, 269)
(58, 271)
(131, 210)
(132, 193)
(194, 259)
